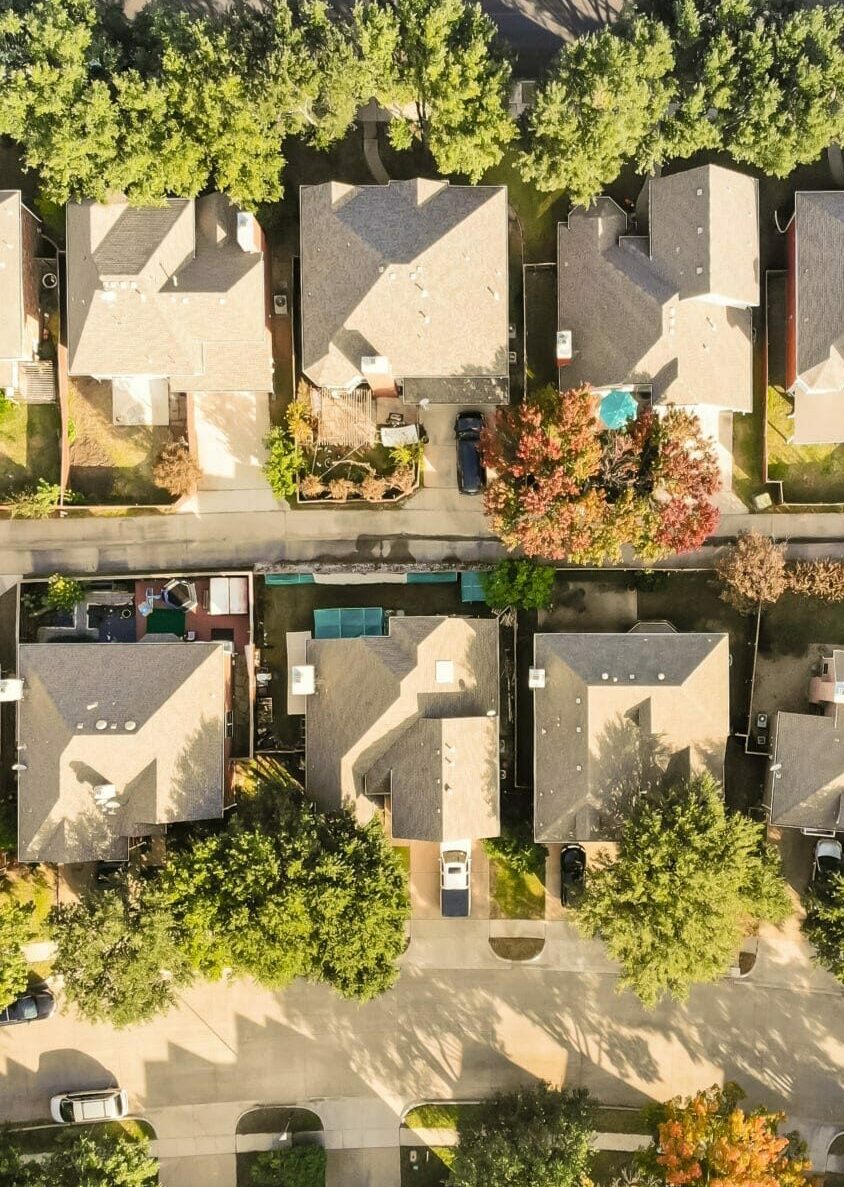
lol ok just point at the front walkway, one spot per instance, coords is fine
(227, 431)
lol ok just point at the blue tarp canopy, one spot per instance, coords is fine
(471, 586)
(617, 408)
(348, 623)
(437, 578)
(288, 579)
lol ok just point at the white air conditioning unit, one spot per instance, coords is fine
(303, 680)
(563, 347)
(536, 678)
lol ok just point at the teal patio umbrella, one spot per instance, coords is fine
(617, 408)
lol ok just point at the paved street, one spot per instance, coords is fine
(442, 1032)
(453, 531)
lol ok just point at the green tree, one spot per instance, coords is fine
(51, 100)
(63, 592)
(765, 83)
(520, 583)
(537, 1135)
(15, 924)
(824, 924)
(286, 891)
(517, 848)
(120, 953)
(689, 880)
(285, 462)
(300, 1166)
(39, 502)
(458, 81)
(600, 107)
(752, 572)
(95, 1157)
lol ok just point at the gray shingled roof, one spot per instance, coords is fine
(11, 277)
(415, 271)
(819, 332)
(166, 291)
(638, 308)
(379, 722)
(168, 767)
(613, 703)
(808, 790)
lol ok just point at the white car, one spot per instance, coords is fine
(94, 1104)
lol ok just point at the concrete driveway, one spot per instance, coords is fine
(227, 431)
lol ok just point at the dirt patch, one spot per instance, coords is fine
(110, 463)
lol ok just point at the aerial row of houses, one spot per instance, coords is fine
(133, 715)
(405, 290)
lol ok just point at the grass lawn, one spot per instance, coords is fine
(541, 326)
(110, 463)
(516, 947)
(437, 1115)
(748, 455)
(34, 885)
(513, 895)
(29, 445)
(809, 473)
(538, 213)
(277, 1118)
(402, 852)
(425, 1166)
(795, 622)
(45, 1139)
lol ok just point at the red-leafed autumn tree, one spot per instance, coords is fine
(710, 1139)
(567, 488)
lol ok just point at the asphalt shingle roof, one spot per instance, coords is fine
(610, 703)
(667, 310)
(819, 332)
(808, 790)
(379, 720)
(11, 282)
(167, 766)
(415, 271)
(166, 291)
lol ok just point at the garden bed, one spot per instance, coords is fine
(516, 947)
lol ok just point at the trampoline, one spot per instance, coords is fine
(351, 622)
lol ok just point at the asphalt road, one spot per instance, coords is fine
(448, 1032)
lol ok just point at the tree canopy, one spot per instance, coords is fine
(120, 953)
(15, 923)
(538, 1135)
(688, 881)
(752, 572)
(600, 107)
(824, 923)
(93, 1157)
(519, 583)
(285, 891)
(567, 488)
(708, 1138)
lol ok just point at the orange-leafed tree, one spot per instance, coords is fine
(709, 1139)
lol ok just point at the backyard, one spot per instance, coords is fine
(111, 463)
(808, 473)
(29, 445)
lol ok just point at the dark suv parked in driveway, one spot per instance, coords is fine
(471, 476)
(29, 1007)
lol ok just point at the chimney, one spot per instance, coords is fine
(376, 370)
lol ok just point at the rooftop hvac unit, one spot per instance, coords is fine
(303, 680)
(11, 689)
(536, 678)
(563, 347)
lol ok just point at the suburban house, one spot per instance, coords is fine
(615, 711)
(22, 375)
(131, 714)
(805, 784)
(814, 361)
(407, 721)
(167, 302)
(405, 290)
(664, 312)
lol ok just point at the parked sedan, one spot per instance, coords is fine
(573, 874)
(829, 859)
(29, 1007)
(471, 476)
(93, 1104)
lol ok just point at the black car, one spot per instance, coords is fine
(471, 476)
(573, 874)
(29, 1007)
